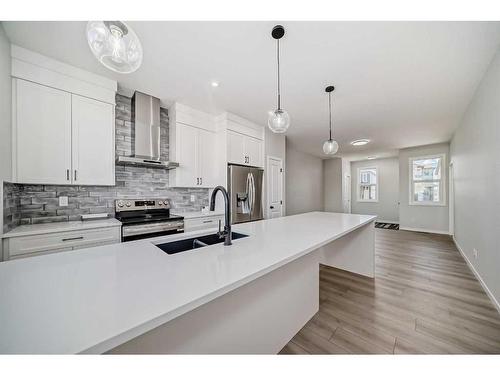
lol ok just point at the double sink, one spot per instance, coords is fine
(192, 243)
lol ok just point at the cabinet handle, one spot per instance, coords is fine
(67, 174)
(75, 174)
(73, 238)
(208, 221)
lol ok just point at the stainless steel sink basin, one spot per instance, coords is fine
(195, 242)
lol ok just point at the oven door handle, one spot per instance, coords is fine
(133, 230)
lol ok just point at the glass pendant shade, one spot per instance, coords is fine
(115, 45)
(330, 147)
(278, 121)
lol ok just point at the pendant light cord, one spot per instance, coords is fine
(330, 111)
(278, 55)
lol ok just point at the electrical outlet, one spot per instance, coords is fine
(193, 198)
(63, 201)
(475, 253)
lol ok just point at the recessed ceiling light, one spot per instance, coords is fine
(360, 142)
(215, 84)
(371, 157)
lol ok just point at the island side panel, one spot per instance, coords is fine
(258, 318)
(354, 252)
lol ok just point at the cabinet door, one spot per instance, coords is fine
(236, 148)
(93, 145)
(187, 143)
(42, 149)
(207, 158)
(253, 151)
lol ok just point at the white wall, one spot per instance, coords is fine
(332, 172)
(386, 208)
(304, 182)
(5, 107)
(425, 218)
(5, 120)
(475, 154)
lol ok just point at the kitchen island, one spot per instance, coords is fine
(132, 297)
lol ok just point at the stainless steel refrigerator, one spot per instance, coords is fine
(245, 191)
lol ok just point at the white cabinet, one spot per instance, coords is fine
(193, 145)
(42, 151)
(243, 149)
(93, 142)
(40, 244)
(61, 138)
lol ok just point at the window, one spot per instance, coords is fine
(367, 184)
(427, 180)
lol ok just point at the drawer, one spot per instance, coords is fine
(198, 223)
(61, 241)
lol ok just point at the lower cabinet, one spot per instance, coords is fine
(198, 223)
(40, 244)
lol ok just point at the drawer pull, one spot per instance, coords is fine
(208, 221)
(73, 238)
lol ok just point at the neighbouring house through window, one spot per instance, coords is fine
(367, 184)
(427, 178)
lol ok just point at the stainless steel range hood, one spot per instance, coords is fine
(146, 147)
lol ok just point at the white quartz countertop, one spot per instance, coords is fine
(95, 299)
(66, 226)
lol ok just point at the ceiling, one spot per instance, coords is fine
(399, 84)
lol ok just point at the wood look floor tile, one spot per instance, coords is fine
(424, 300)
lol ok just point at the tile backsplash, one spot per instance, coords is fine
(32, 204)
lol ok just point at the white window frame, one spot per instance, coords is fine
(377, 184)
(442, 185)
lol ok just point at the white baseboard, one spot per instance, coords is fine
(481, 281)
(425, 230)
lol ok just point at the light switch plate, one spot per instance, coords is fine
(63, 201)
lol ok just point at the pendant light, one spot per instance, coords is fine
(115, 45)
(278, 120)
(330, 147)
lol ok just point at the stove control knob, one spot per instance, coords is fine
(160, 203)
(128, 204)
(120, 204)
(165, 203)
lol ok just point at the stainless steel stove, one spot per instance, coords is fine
(146, 218)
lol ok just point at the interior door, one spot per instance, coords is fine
(253, 151)
(43, 134)
(93, 142)
(187, 171)
(235, 148)
(274, 177)
(207, 158)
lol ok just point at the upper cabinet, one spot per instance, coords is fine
(243, 149)
(244, 140)
(193, 144)
(93, 141)
(62, 132)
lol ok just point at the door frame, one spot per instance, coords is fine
(451, 198)
(268, 187)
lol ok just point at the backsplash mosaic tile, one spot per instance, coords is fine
(33, 204)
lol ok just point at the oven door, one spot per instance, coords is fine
(133, 232)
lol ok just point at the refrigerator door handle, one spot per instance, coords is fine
(252, 193)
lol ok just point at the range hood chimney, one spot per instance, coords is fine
(146, 150)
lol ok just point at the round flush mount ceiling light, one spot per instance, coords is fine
(330, 147)
(278, 120)
(371, 157)
(360, 142)
(115, 45)
(214, 84)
